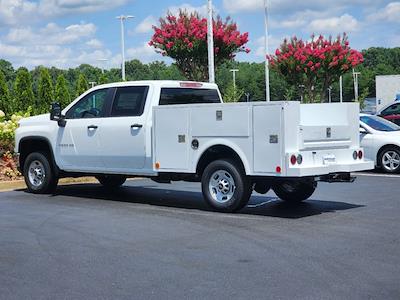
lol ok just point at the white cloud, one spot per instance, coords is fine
(144, 53)
(94, 43)
(22, 11)
(289, 6)
(202, 10)
(53, 45)
(344, 23)
(146, 25)
(51, 34)
(390, 13)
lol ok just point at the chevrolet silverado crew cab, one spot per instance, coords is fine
(170, 130)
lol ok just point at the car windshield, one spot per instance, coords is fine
(379, 123)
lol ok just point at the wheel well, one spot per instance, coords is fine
(214, 153)
(30, 145)
(383, 148)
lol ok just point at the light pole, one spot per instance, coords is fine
(103, 60)
(210, 43)
(267, 91)
(355, 79)
(122, 18)
(234, 77)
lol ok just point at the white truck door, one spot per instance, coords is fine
(123, 132)
(78, 143)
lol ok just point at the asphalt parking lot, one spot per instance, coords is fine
(153, 241)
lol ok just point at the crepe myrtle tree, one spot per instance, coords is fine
(314, 65)
(184, 39)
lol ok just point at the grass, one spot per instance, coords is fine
(20, 184)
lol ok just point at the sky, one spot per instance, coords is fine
(67, 33)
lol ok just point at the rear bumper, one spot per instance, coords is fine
(328, 169)
(315, 163)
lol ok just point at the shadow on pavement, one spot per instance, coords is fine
(154, 195)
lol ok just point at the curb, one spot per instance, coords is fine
(7, 186)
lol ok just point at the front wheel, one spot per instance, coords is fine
(295, 190)
(111, 181)
(38, 174)
(225, 186)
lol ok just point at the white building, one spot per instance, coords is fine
(387, 89)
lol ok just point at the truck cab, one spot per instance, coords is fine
(172, 130)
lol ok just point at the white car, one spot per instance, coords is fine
(381, 142)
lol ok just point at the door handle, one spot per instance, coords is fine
(136, 126)
(90, 127)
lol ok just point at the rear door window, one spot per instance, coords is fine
(171, 96)
(129, 101)
(392, 110)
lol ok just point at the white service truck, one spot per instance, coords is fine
(170, 130)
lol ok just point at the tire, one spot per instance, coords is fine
(389, 160)
(111, 181)
(225, 186)
(295, 190)
(39, 173)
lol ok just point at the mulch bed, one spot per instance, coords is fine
(8, 167)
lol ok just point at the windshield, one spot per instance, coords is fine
(379, 124)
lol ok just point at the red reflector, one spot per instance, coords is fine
(191, 84)
(293, 159)
(360, 154)
(278, 169)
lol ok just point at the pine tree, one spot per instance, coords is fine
(23, 92)
(45, 91)
(82, 85)
(5, 103)
(62, 95)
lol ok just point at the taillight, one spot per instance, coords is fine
(293, 159)
(360, 154)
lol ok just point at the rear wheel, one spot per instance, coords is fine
(39, 175)
(295, 190)
(389, 160)
(225, 186)
(111, 181)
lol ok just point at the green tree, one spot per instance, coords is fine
(23, 92)
(45, 91)
(5, 103)
(62, 95)
(102, 79)
(233, 94)
(184, 39)
(82, 85)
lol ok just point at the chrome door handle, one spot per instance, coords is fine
(136, 126)
(90, 127)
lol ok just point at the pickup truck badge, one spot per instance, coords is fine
(328, 132)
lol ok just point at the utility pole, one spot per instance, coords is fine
(341, 88)
(210, 43)
(122, 18)
(355, 79)
(234, 77)
(267, 91)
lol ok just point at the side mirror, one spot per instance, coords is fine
(55, 114)
(363, 130)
